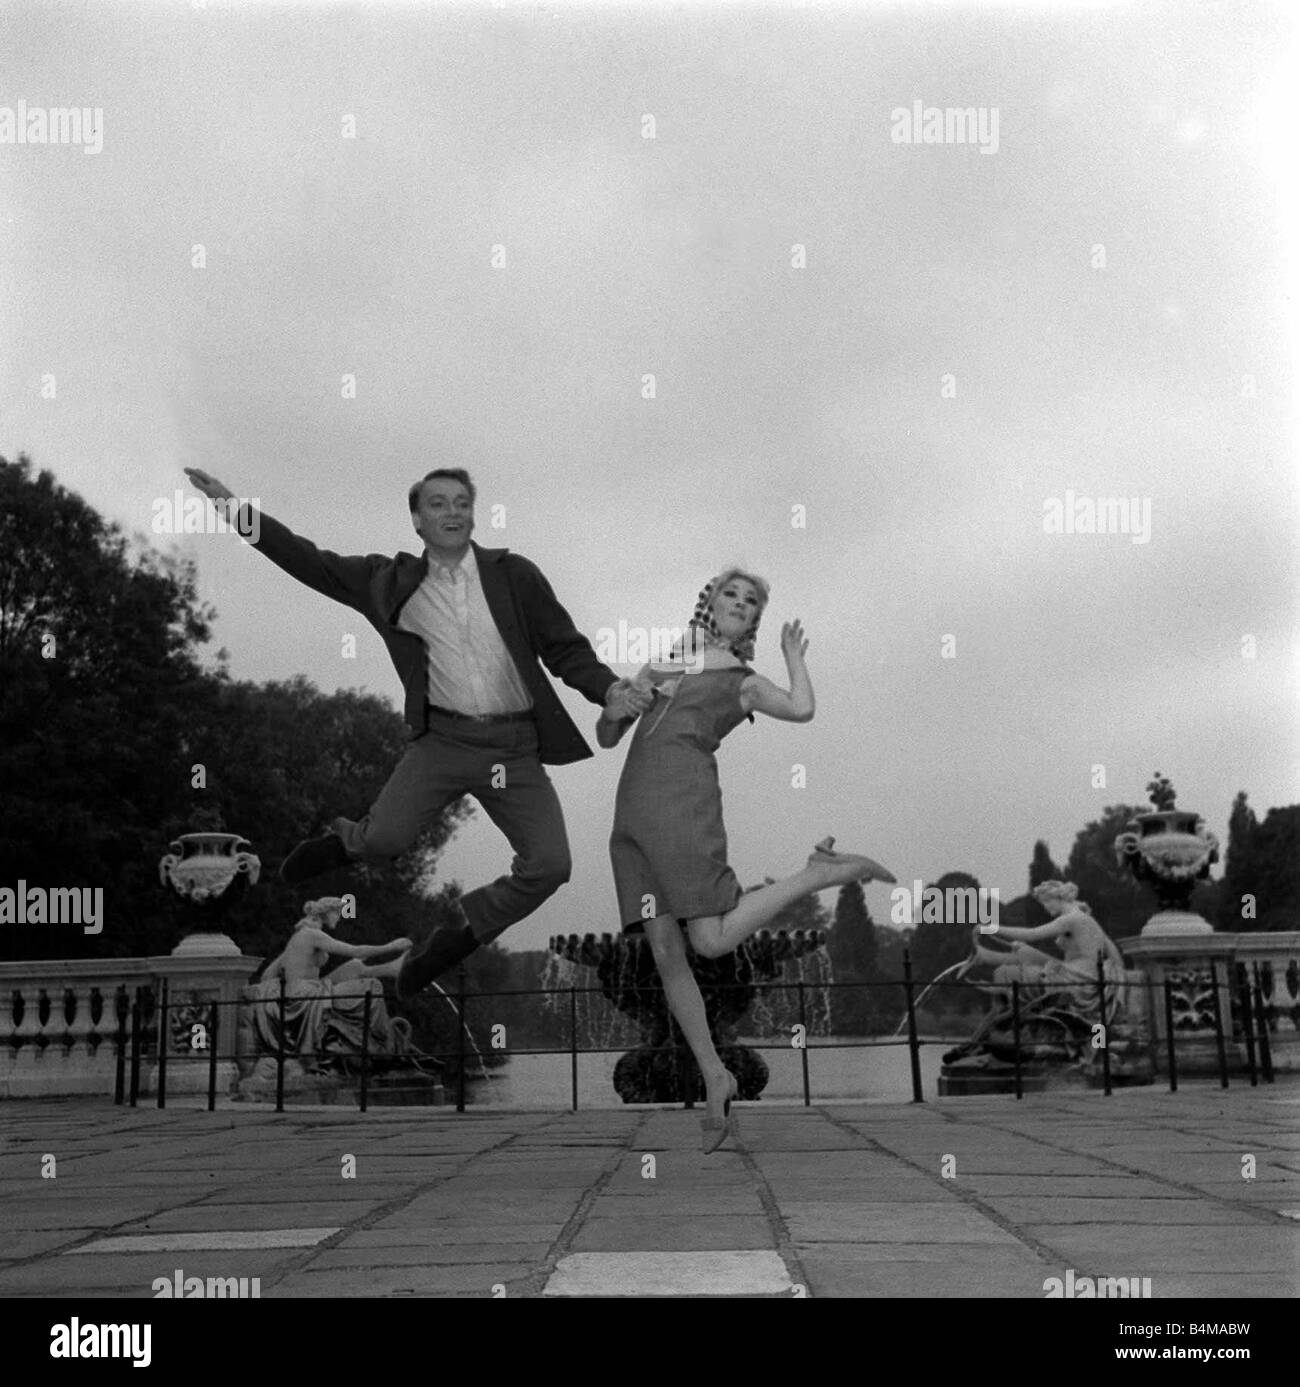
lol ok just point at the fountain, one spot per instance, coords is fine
(1052, 1029)
(661, 1069)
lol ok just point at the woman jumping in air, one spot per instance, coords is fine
(668, 846)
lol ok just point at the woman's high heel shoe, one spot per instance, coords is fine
(872, 870)
(713, 1130)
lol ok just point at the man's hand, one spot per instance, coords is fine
(209, 486)
(625, 700)
(225, 500)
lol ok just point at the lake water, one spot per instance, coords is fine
(862, 1073)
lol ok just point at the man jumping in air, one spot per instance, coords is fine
(468, 629)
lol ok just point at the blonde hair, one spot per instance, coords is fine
(703, 620)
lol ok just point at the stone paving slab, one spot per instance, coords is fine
(82, 1213)
(885, 1223)
(467, 1253)
(205, 1217)
(434, 1235)
(204, 1240)
(426, 1233)
(1229, 1251)
(471, 1279)
(1157, 1213)
(360, 1191)
(134, 1273)
(25, 1243)
(1109, 1186)
(1167, 1285)
(670, 1202)
(982, 1273)
(827, 1164)
(699, 1232)
(900, 1191)
(643, 1274)
(848, 1199)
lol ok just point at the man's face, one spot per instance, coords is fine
(445, 517)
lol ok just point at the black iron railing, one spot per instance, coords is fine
(149, 1012)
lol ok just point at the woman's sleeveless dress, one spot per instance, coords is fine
(668, 846)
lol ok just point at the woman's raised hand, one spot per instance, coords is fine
(794, 644)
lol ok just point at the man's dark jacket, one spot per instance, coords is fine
(532, 623)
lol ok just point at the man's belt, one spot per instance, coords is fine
(525, 716)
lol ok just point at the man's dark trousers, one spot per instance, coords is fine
(497, 763)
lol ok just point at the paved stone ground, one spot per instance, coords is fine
(833, 1200)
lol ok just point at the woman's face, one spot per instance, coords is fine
(736, 605)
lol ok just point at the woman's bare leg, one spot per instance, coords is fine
(354, 968)
(384, 970)
(687, 1005)
(715, 935)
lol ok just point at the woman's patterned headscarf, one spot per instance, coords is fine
(702, 622)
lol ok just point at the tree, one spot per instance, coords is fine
(97, 662)
(1238, 866)
(1041, 869)
(114, 740)
(1261, 871)
(939, 944)
(1120, 903)
(853, 950)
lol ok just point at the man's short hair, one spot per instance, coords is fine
(455, 474)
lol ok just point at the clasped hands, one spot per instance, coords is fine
(628, 699)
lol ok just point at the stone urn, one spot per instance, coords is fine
(208, 871)
(1169, 850)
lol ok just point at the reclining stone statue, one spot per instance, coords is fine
(323, 1017)
(1059, 1002)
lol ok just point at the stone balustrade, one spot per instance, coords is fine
(1186, 960)
(59, 1020)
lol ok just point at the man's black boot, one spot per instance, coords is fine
(443, 949)
(313, 858)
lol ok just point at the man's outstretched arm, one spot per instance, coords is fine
(345, 578)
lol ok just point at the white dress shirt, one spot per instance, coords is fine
(470, 669)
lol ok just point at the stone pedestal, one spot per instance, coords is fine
(1176, 924)
(206, 944)
(1185, 960)
(194, 981)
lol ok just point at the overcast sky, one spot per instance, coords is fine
(1097, 302)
